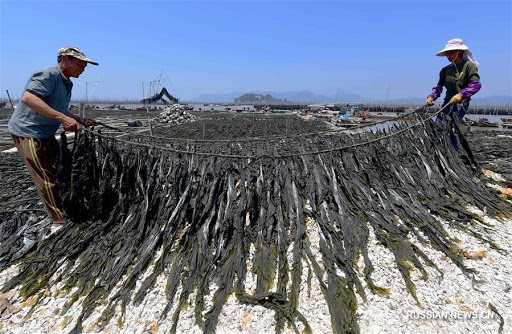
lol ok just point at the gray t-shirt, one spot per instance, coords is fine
(52, 87)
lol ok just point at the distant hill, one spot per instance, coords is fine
(303, 96)
(306, 96)
(256, 98)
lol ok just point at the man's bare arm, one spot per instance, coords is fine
(36, 104)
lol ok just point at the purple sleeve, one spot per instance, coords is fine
(472, 88)
(436, 92)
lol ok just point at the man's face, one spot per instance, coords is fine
(74, 67)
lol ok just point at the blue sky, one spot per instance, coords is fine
(362, 47)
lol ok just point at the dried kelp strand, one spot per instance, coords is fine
(196, 210)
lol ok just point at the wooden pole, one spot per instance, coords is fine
(82, 109)
(147, 111)
(9, 96)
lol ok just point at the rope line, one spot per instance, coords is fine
(267, 138)
(233, 156)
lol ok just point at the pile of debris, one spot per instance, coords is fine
(483, 123)
(175, 114)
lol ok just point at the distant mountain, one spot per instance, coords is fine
(256, 98)
(304, 96)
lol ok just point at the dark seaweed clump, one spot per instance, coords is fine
(194, 207)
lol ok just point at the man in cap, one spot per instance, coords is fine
(43, 107)
(460, 78)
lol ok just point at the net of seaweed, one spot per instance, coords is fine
(22, 221)
(198, 210)
(493, 149)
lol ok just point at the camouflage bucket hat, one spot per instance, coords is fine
(73, 51)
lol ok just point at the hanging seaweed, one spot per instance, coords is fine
(22, 221)
(22, 215)
(192, 207)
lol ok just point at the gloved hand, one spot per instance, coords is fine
(429, 102)
(457, 98)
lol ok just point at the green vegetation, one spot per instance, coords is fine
(256, 98)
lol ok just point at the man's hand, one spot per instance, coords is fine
(429, 102)
(87, 122)
(457, 98)
(69, 123)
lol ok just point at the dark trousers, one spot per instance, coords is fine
(39, 155)
(459, 109)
